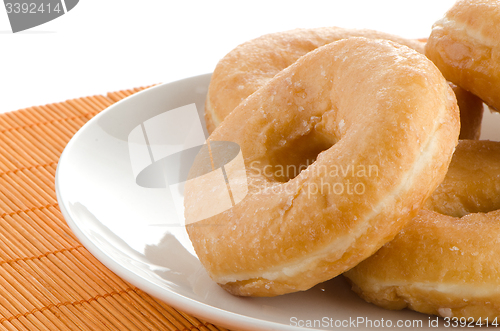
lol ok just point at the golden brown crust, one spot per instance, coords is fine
(471, 113)
(439, 264)
(291, 233)
(252, 64)
(465, 47)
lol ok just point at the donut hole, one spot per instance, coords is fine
(472, 183)
(295, 155)
(462, 205)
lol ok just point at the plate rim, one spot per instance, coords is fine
(194, 307)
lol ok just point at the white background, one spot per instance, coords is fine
(108, 45)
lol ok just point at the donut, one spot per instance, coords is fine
(252, 64)
(445, 261)
(465, 46)
(370, 124)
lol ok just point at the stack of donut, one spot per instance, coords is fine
(385, 194)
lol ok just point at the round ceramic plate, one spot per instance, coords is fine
(127, 214)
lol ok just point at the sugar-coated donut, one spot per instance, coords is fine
(445, 261)
(380, 123)
(252, 64)
(465, 46)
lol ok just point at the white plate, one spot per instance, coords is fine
(133, 231)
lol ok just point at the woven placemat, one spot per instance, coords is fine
(48, 280)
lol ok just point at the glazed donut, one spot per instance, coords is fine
(445, 262)
(465, 46)
(252, 64)
(350, 107)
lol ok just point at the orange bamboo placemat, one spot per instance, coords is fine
(48, 280)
